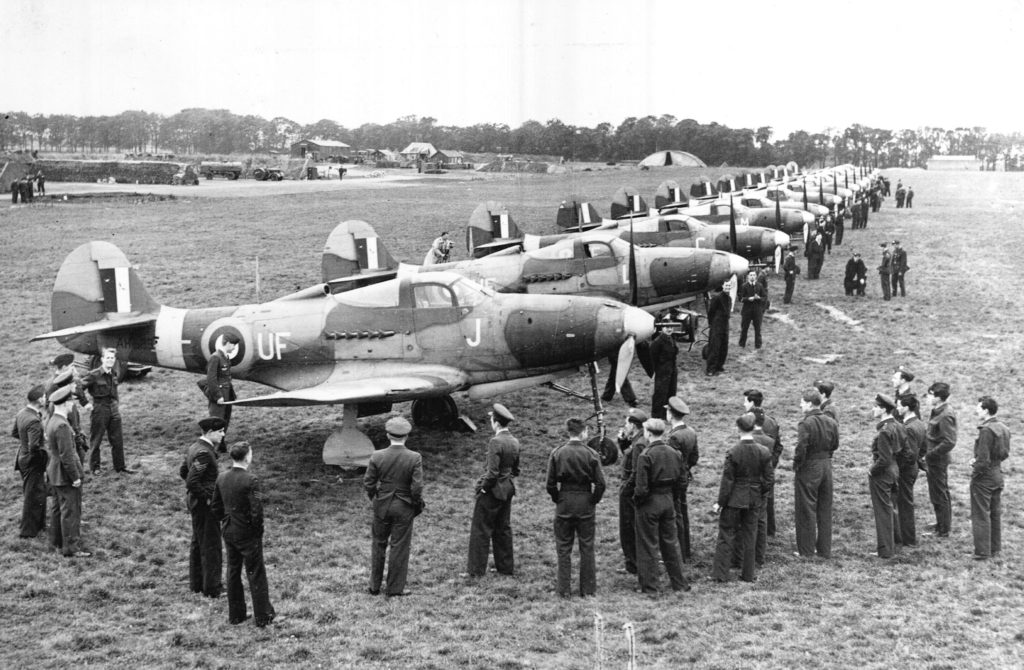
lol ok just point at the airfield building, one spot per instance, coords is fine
(321, 150)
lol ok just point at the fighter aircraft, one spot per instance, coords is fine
(421, 338)
(717, 210)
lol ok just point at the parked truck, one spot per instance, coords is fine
(229, 170)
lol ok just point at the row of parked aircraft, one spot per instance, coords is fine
(528, 310)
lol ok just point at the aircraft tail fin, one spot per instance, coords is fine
(491, 229)
(669, 196)
(628, 204)
(97, 291)
(355, 256)
(578, 216)
(703, 188)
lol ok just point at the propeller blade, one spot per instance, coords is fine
(634, 293)
(778, 213)
(626, 352)
(778, 259)
(805, 194)
(732, 223)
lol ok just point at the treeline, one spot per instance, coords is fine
(219, 131)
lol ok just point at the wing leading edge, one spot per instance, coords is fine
(339, 392)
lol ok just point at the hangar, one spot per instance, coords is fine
(672, 157)
(320, 150)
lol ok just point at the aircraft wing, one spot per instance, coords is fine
(102, 325)
(339, 392)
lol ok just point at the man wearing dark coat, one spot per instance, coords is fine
(856, 275)
(746, 478)
(66, 373)
(899, 269)
(575, 483)
(990, 449)
(26, 189)
(815, 256)
(789, 270)
(908, 461)
(660, 474)
(719, 308)
(774, 446)
(632, 443)
(752, 297)
(64, 471)
(101, 384)
(683, 438)
(663, 359)
(219, 389)
(199, 470)
(885, 271)
(31, 463)
(394, 482)
(492, 512)
(883, 472)
(940, 439)
(817, 440)
(766, 425)
(910, 197)
(238, 504)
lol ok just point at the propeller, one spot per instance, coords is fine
(634, 296)
(626, 352)
(778, 211)
(805, 194)
(732, 223)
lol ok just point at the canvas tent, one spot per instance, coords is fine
(672, 157)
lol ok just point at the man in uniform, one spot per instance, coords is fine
(101, 384)
(828, 408)
(441, 249)
(856, 275)
(199, 470)
(663, 359)
(940, 439)
(908, 462)
(817, 440)
(492, 513)
(67, 373)
(901, 378)
(394, 482)
(752, 297)
(790, 270)
(885, 271)
(31, 462)
(883, 472)
(719, 309)
(632, 443)
(238, 504)
(218, 380)
(575, 483)
(990, 449)
(746, 478)
(815, 256)
(64, 472)
(683, 438)
(899, 269)
(774, 446)
(660, 476)
(910, 197)
(753, 399)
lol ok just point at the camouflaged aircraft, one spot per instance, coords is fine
(722, 206)
(419, 338)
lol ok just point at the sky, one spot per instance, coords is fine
(813, 65)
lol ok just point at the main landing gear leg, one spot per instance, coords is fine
(348, 447)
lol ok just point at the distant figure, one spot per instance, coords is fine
(899, 268)
(790, 270)
(885, 271)
(40, 183)
(492, 511)
(752, 296)
(440, 250)
(26, 190)
(940, 438)
(901, 195)
(219, 389)
(576, 484)
(31, 463)
(238, 504)
(990, 449)
(856, 275)
(15, 191)
(815, 256)
(719, 309)
(394, 483)
(663, 358)
(910, 197)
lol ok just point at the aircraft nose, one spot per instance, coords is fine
(782, 239)
(637, 323)
(726, 265)
(808, 218)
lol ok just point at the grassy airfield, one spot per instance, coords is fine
(129, 605)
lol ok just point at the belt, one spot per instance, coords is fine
(667, 488)
(566, 486)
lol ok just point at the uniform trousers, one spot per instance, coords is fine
(751, 314)
(106, 418)
(33, 508)
(897, 281)
(880, 485)
(205, 558)
(737, 531)
(627, 529)
(938, 493)
(247, 551)
(812, 503)
(886, 288)
(656, 533)
(906, 527)
(491, 526)
(683, 525)
(987, 513)
(574, 518)
(66, 519)
(787, 297)
(392, 527)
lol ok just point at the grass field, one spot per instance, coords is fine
(129, 605)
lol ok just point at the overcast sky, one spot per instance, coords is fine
(800, 64)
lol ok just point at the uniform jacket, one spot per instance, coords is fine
(887, 443)
(574, 465)
(941, 435)
(718, 310)
(501, 467)
(772, 443)
(64, 467)
(914, 429)
(630, 457)
(395, 472)
(899, 260)
(747, 476)
(659, 470)
(885, 267)
(238, 504)
(789, 266)
(855, 271)
(815, 249)
(102, 386)
(683, 439)
(993, 440)
(199, 470)
(816, 435)
(828, 408)
(28, 429)
(663, 354)
(752, 296)
(218, 378)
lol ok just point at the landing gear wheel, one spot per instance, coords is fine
(434, 412)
